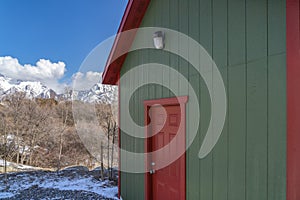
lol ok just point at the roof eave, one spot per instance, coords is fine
(132, 18)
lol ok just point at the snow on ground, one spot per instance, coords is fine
(76, 181)
(17, 166)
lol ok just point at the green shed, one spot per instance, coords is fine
(209, 99)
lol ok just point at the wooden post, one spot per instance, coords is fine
(102, 168)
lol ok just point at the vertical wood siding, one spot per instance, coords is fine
(246, 39)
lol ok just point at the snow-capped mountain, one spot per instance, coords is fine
(35, 89)
(32, 89)
(98, 93)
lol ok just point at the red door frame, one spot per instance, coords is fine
(182, 100)
(293, 98)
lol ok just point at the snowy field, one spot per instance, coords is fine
(66, 184)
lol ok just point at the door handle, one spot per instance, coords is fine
(152, 171)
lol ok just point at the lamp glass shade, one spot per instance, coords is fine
(158, 40)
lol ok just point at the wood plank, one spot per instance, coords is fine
(165, 22)
(257, 131)
(276, 27)
(183, 50)
(236, 100)
(174, 24)
(125, 179)
(140, 121)
(220, 152)
(151, 23)
(206, 164)
(276, 99)
(145, 92)
(192, 159)
(131, 140)
(122, 135)
(236, 32)
(237, 132)
(277, 127)
(256, 29)
(157, 54)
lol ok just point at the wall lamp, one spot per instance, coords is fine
(159, 39)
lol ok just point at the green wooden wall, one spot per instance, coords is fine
(246, 39)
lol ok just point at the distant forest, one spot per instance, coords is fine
(42, 133)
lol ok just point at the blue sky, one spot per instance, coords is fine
(54, 30)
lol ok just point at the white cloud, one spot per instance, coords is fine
(81, 81)
(44, 70)
(47, 72)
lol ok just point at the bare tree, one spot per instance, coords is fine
(64, 111)
(114, 131)
(4, 143)
(41, 132)
(37, 126)
(109, 125)
(14, 103)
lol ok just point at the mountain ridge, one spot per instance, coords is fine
(98, 93)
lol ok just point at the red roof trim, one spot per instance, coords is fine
(132, 19)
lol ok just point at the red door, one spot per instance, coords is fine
(167, 183)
